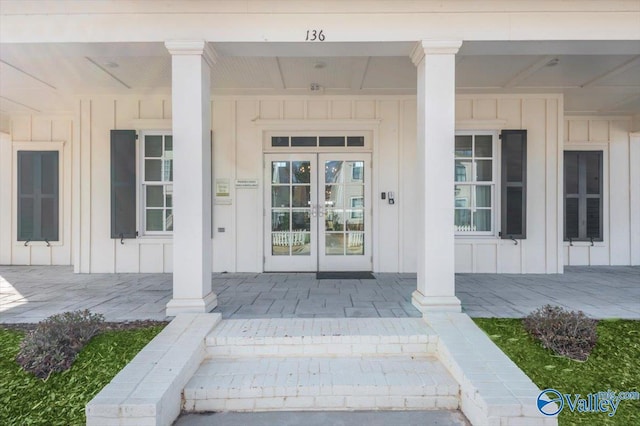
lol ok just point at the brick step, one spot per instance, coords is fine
(321, 337)
(321, 383)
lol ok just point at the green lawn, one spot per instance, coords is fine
(614, 364)
(27, 400)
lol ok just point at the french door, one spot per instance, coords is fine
(318, 212)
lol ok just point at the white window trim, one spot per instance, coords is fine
(141, 184)
(495, 183)
(38, 146)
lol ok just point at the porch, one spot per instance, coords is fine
(31, 293)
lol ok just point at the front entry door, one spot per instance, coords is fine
(318, 212)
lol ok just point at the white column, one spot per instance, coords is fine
(435, 62)
(191, 101)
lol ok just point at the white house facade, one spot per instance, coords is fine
(423, 137)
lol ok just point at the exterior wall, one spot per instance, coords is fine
(239, 124)
(35, 132)
(620, 169)
(96, 251)
(541, 116)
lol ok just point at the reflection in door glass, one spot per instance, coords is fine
(291, 229)
(334, 244)
(333, 172)
(280, 172)
(355, 243)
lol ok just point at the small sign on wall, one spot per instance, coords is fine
(222, 187)
(246, 183)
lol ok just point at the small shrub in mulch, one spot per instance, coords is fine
(55, 342)
(567, 333)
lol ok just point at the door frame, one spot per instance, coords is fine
(317, 260)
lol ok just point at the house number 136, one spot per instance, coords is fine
(315, 35)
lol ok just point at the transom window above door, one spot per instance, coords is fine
(317, 141)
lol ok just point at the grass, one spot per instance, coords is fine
(613, 364)
(60, 400)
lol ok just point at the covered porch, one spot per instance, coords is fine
(30, 294)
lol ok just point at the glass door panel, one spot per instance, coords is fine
(290, 213)
(317, 212)
(344, 240)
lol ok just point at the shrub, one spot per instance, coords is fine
(53, 345)
(567, 333)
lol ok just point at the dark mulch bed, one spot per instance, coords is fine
(106, 326)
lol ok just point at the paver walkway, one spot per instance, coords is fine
(31, 293)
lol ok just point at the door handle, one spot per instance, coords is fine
(313, 211)
(320, 211)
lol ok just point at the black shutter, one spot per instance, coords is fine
(38, 196)
(123, 184)
(514, 184)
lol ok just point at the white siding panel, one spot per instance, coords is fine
(294, 109)
(127, 256)
(552, 177)
(151, 258)
(464, 258)
(21, 128)
(84, 143)
(510, 258)
(534, 120)
(365, 109)
(598, 130)
(249, 201)
(578, 130)
(464, 109)
(168, 257)
(151, 108)
(40, 255)
(40, 129)
(102, 246)
(408, 194)
(634, 198)
(340, 109)
(485, 109)
(223, 122)
(6, 198)
(619, 193)
(579, 255)
(485, 258)
(510, 109)
(318, 110)
(387, 180)
(269, 109)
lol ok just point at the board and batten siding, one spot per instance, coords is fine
(541, 116)
(621, 190)
(238, 135)
(36, 132)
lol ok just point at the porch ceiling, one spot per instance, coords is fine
(595, 77)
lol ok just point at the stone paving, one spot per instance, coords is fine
(31, 293)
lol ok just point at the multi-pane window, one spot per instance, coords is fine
(474, 183)
(38, 196)
(583, 195)
(157, 183)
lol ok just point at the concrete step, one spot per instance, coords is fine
(321, 383)
(321, 337)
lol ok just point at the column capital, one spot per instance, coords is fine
(192, 47)
(434, 47)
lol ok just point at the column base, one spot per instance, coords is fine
(427, 304)
(192, 306)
